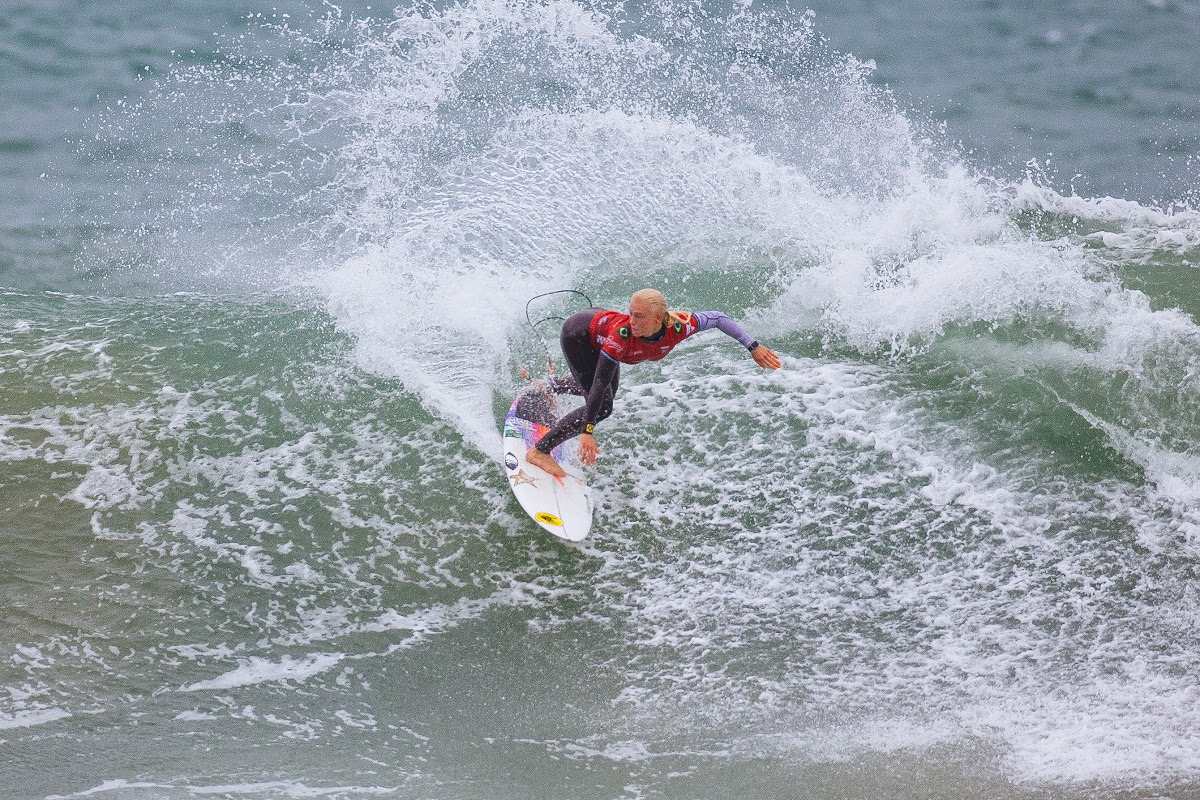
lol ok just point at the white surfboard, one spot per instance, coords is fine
(563, 506)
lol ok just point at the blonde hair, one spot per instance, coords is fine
(658, 306)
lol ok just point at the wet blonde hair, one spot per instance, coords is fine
(658, 305)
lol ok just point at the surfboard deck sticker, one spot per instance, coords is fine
(562, 506)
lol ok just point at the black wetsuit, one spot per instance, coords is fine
(583, 358)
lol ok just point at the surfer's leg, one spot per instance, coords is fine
(582, 359)
(573, 424)
(565, 386)
(545, 461)
(576, 342)
(568, 427)
(581, 356)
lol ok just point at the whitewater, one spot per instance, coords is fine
(264, 308)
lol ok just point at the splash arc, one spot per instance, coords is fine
(562, 506)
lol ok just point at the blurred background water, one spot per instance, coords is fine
(264, 272)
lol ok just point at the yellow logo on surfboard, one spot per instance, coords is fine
(548, 518)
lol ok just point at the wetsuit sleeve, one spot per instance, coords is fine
(726, 325)
(606, 368)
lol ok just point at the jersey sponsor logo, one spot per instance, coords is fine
(614, 347)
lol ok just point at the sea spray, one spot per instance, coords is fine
(950, 541)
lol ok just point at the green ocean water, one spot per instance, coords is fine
(263, 308)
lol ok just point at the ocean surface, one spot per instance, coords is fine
(263, 282)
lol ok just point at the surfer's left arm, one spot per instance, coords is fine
(762, 355)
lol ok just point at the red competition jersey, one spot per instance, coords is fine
(610, 332)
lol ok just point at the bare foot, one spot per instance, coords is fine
(545, 461)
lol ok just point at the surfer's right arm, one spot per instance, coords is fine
(606, 367)
(587, 449)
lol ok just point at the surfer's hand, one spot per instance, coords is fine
(587, 449)
(765, 358)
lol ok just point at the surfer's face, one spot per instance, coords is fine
(642, 320)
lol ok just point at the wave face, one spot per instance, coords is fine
(256, 539)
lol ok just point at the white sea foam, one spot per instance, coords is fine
(1113, 731)
(538, 193)
(629, 751)
(26, 719)
(267, 789)
(259, 670)
(965, 614)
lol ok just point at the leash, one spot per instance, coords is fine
(533, 325)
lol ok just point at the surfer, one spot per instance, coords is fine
(596, 341)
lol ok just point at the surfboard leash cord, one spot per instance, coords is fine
(533, 325)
